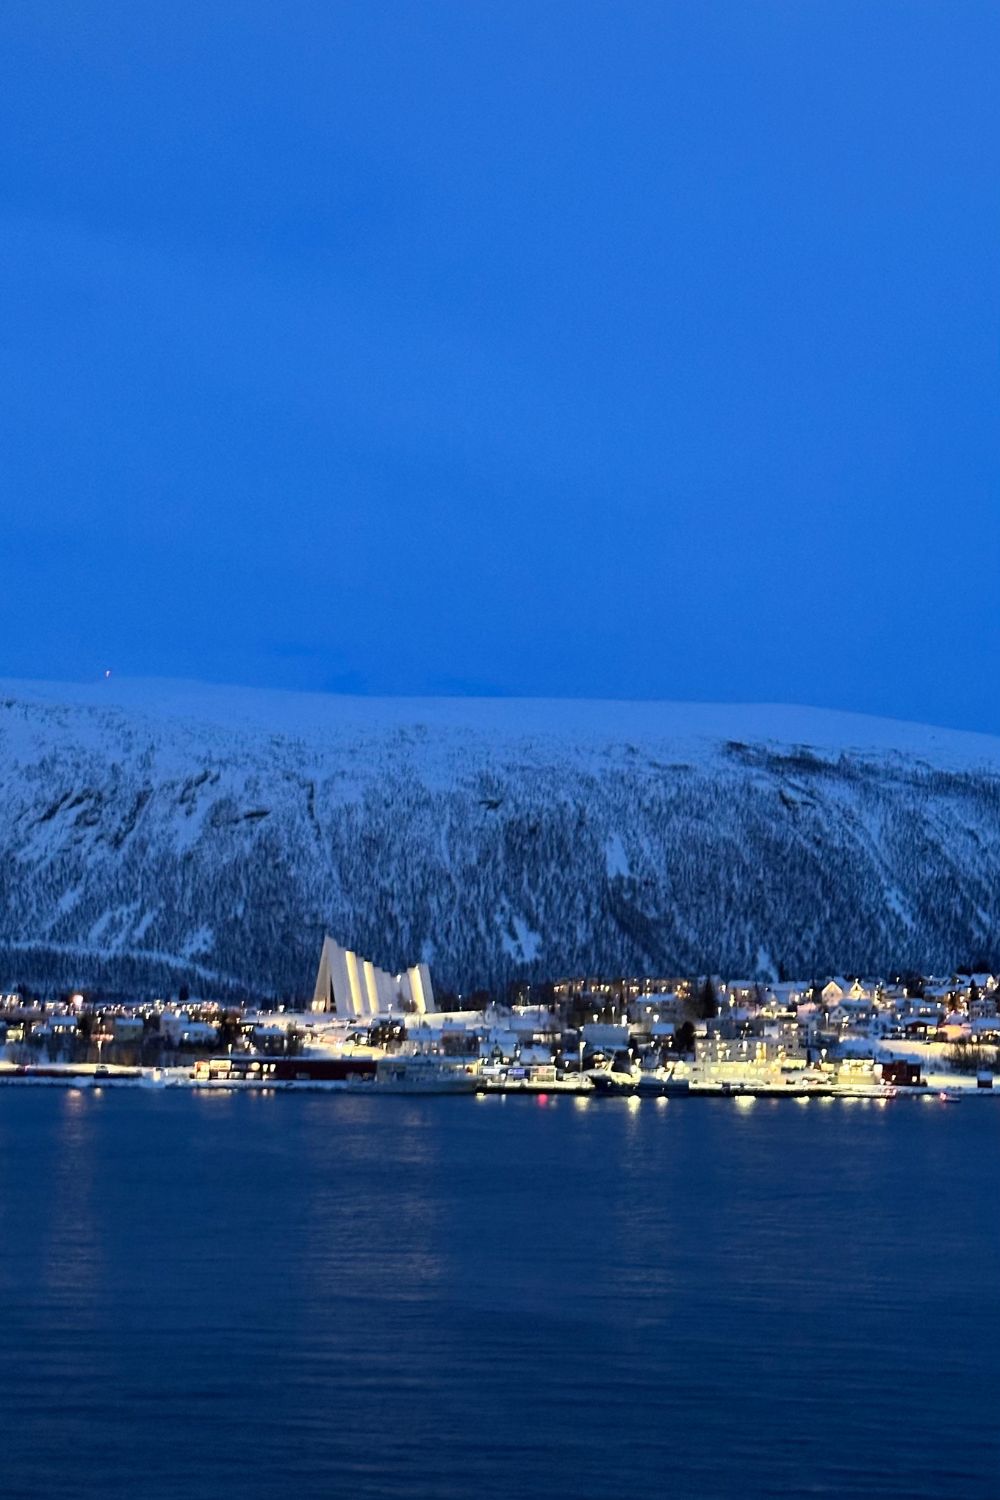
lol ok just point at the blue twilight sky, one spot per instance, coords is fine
(559, 347)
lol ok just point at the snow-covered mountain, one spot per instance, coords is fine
(156, 833)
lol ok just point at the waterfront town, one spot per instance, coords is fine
(672, 1035)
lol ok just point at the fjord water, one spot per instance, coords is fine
(212, 1295)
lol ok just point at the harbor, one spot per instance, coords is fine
(422, 1074)
(637, 1038)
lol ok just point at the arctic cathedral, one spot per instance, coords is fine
(354, 988)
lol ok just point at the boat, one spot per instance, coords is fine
(423, 1073)
(660, 1085)
(609, 1081)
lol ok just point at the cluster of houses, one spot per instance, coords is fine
(963, 1007)
(75, 1026)
(712, 1031)
(721, 1027)
(851, 1023)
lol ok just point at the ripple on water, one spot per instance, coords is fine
(322, 1296)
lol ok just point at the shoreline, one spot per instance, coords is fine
(92, 1077)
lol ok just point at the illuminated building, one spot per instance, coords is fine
(354, 987)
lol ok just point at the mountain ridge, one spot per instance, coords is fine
(156, 833)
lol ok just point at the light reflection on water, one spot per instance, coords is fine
(439, 1297)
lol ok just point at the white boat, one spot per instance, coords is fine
(422, 1073)
(608, 1080)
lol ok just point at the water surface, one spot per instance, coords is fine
(211, 1295)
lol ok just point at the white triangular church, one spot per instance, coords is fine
(354, 988)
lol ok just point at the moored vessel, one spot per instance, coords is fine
(422, 1073)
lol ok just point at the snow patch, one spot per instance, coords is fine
(766, 967)
(144, 924)
(200, 942)
(615, 858)
(519, 941)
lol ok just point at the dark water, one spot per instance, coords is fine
(204, 1296)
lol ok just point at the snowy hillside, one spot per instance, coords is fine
(157, 833)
